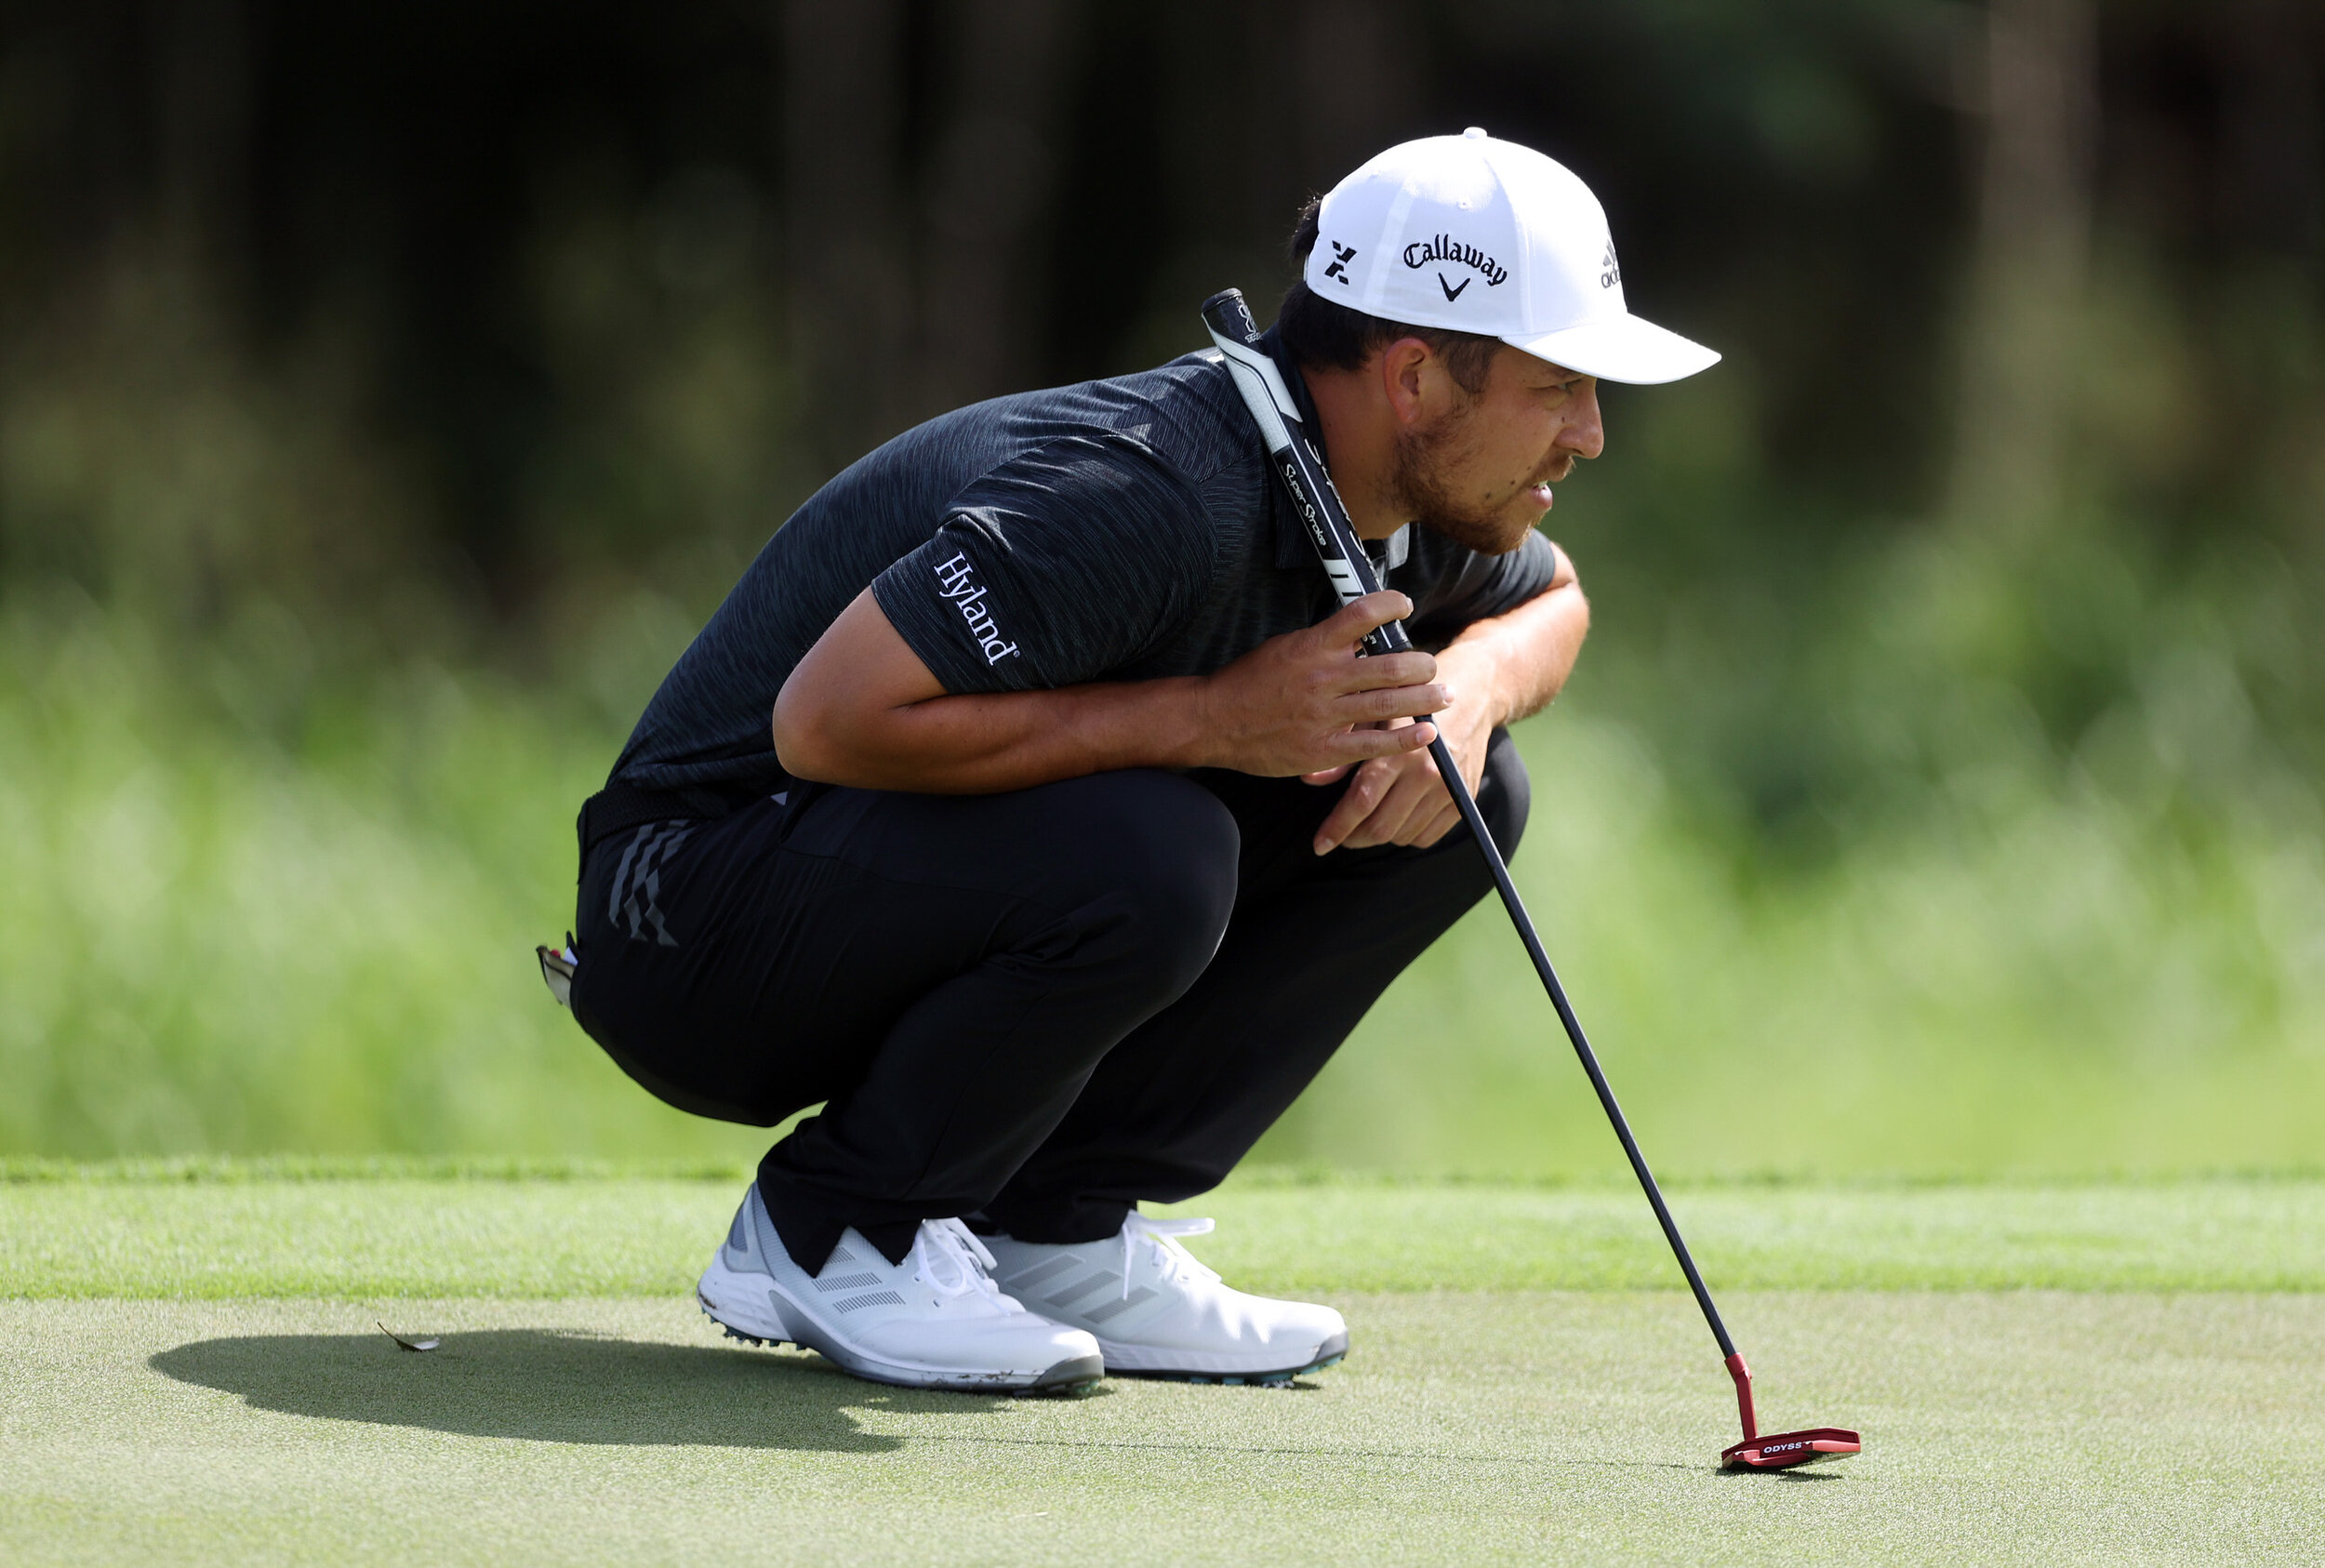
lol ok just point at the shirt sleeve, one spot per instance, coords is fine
(1459, 588)
(1060, 566)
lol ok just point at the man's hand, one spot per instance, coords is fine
(1505, 669)
(1404, 799)
(1306, 701)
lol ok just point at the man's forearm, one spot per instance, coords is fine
(986, 743)
(861, 708)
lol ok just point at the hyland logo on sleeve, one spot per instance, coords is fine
(1444, 247)
(956, 580)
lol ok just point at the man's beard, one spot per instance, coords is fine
(1426, 457)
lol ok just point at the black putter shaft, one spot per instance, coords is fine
(1261, 382)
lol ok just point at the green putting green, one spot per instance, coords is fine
(194, 1375)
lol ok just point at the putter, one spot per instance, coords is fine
(1272, 406)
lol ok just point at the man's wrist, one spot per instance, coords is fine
(1478, 678)
(1162, 724)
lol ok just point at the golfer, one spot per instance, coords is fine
(1028, 805)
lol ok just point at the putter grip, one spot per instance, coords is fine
(1323, 516)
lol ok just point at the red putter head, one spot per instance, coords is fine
(1779, 1450)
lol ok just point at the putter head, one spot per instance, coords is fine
(1778, 1450)
(1781, 1450)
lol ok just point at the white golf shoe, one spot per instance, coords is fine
(934, 1320)
(1156, 1312)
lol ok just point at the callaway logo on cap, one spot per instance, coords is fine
(1485, 237)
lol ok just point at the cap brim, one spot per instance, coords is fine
(1621, 348)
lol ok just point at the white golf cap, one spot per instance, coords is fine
(1485, 237)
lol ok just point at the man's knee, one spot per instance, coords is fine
(1159, 854)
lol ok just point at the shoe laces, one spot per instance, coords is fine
(953, 1262)
(1161, 1236)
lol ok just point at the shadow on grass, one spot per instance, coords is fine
(547, 1385)
(559, 1386)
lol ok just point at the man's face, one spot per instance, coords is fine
(1480, 473)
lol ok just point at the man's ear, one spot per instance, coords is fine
(1407, 367)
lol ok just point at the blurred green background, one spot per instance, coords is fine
(387, 396)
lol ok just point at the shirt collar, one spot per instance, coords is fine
(1292, 547)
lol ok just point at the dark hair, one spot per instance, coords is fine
(1316, 332)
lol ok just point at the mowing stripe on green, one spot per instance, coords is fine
(650, 1235)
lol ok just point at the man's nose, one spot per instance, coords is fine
(1584, 435)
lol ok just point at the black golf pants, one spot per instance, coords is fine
(1035, 1009)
